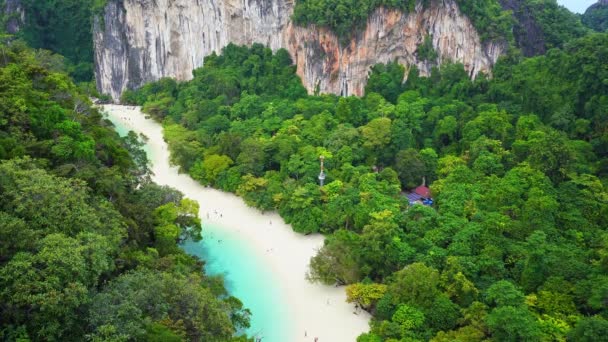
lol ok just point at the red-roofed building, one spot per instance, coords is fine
(423, 191)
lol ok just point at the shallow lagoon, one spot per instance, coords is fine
(244, 272)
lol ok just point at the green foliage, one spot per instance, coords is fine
(346, 16)
(177, 304)
(516, 166)
(408, 318)
(596, 17)
(78, 214)
(488, 17)
(590, 329)
(175, 224)
(513, 324)
(65, 27)
(558, 24)
(426, 51)
(364, 294)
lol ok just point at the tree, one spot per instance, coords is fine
(416, 284)
(590, 329)
(176, 223)
(252, 158)
(16, 236)
(443, 315)
(77, 210)
(464, 334)
(135, 303)
(46, 289)
(365, 295)
(410, 167)
(504, 293)
(456, 284)
(408, 318)
(337, 261)
(210, 168)
(184, 147)
(491, 123)
(376, 136)
(382, 249)
(50, 204)
(386, 80)
(509, 323)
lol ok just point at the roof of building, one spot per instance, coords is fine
(423, 191)
(413, 197)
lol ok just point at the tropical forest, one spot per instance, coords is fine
(441, 203)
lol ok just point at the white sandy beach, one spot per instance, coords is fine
(319, 310)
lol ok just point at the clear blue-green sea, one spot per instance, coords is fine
(245, 274)
(246, 277)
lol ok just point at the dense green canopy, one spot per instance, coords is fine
(596, 17)
(515, 246)
(89, 245)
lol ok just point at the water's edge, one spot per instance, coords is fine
(244, 274)
(263, 260)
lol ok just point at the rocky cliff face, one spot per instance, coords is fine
(596, 16)
(528, 34)
(143, 40)
(15, 14)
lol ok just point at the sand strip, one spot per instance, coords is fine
(320, 311)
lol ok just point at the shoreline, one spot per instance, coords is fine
(320, 311)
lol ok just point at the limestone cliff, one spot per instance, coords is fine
(15, 15)
(138, 41)
(596, 16)
(527, 32)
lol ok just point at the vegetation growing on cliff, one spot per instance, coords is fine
(346, 16)
(89, 245)
(342, 16)
(515, 247)
(426, 51)
(596, 17)
(558, 24)
(65, 27)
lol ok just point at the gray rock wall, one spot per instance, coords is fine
(16, 15)
(143, 40)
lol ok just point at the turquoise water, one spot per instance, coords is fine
(245, 277)
(123, 131)
(245, 274)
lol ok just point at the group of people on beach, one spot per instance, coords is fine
(306, 335)
(215, 212)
